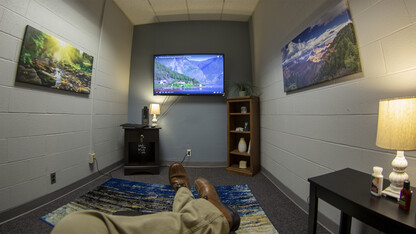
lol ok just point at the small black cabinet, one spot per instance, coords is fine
(141, 149)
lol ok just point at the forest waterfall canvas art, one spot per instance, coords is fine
(47, 61)
(324, 51)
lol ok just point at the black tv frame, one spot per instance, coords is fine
(176, 94)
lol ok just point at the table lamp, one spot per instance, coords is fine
(396, 130)
(154, 110)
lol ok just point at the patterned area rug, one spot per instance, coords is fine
(123, 195)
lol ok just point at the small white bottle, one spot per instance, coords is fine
(377, 181)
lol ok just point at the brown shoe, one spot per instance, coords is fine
(178, 177)
(206, 190)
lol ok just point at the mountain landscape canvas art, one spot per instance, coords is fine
(47, 61)
(324, 51)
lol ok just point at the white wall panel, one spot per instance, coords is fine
(372, 60)
(4, 98)
(380, 20)
(81, 139)
(103, 79)
(38, 167)
(3, 150)
(357, 7)
(14, 173)
(5, 196)
(3, 126)
(16, 125)
(59, 142)
(25, 147)
(104, 121)
(14, 24)
(84, 15)
(1, 12)
(297, 165)
(23, 100)
(270, 91)
(8, 72)
(20, 194)
(43, 130)
(61, 28)
(8, 46)
(16, 6)
(293, 182)
(400, 50)
(61, 103)
(333, 125)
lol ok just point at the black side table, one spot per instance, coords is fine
(349, 191)
(141, 149)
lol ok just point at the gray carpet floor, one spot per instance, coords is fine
(284, 214)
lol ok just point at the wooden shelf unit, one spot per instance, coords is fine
(237, 119)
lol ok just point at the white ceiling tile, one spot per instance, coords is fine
(169, 7)
(245, 7)
(153, 11)
(138, 11)
(205, 6)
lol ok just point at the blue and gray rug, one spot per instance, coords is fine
(123, 195)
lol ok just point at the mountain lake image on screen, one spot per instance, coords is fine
(188, 74)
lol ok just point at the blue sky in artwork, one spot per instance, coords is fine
(324, 30)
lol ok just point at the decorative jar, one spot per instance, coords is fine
(242, 145)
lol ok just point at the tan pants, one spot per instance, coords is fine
(189, 215)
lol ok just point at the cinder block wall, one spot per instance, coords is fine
(44, 131)
(331, 126)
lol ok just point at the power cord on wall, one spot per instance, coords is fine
(183, 159)
(103, 174)
(169, 107)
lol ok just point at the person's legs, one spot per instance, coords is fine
(194, 216)
(207, 191)
(189, 215)
(199, 215)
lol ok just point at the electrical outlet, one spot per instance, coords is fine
(92, 158)
(188, 152)
(53, 177)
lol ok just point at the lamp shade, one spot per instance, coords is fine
(396, 128)
(154, 109)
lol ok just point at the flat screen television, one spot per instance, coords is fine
(188, 74)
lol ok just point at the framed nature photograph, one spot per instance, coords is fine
(47, 61)
(324, 51)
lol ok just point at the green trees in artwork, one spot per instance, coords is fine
(342, 56)
(33, 46)
(38, 45)
(47, 61)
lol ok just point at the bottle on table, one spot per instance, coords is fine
(405, 196)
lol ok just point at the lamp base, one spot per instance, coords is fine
(154, 122)
(389, 191)
(397, 176)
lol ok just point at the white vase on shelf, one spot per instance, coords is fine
(242, 145)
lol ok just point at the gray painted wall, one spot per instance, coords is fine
(193, 122)
(44, 131)
(331, 126)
